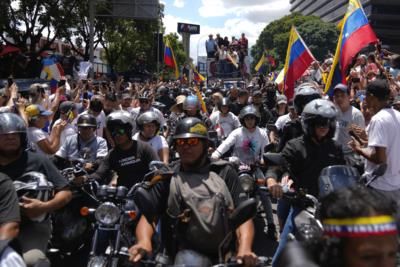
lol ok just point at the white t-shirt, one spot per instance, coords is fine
(248, 147)
(224, 125)
(36, 135)
(69, 129)
(282, 120)
(384, 131)
(343, 122)
(101, 122)
(158, 142)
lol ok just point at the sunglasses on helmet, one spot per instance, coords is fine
(189, 141)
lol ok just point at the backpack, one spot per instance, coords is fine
(202, 223)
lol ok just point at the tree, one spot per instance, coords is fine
(320, 37)
(23, 22)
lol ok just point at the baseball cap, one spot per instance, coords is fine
(66, 106)
(281, 99)
(378, 88)
(36, 110)
(342, 87)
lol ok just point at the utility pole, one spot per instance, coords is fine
(91, 35)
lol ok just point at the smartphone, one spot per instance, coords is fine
(61, 83)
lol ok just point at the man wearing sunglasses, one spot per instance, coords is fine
(129, 159)
(145, 101)
(195, 171)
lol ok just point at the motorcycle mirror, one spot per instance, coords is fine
(275, 159)
(308, 228)
(245, 211)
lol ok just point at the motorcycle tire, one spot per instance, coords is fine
(98, 261)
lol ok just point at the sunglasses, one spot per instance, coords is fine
(118, 131)
(189, 141)
(143, 101)
(322, 122)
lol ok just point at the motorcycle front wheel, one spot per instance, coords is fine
(97, 261)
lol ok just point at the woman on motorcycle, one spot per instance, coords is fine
(148, 125)
(306, 156)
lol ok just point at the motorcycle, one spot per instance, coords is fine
(115, 219)
(71, 232)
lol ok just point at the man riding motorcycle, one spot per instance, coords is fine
(197, 172)
(15, 161)
(85, 144)
(129, 158)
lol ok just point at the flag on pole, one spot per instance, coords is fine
(202, 103)
(298, 59)
(169, 58)
(355, 34)
(196, 75)
(260, 62)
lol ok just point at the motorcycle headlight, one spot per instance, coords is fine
(247, 182)
(107, 213)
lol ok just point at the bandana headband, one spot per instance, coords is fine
(360, 226)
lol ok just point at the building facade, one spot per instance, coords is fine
(384, 16)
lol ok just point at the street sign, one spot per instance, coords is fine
(188, 28)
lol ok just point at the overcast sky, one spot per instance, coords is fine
(227, 17)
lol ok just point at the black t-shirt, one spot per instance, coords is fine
(131, 165)
(31, 161)
(9, 208)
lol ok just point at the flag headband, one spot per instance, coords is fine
(360, 226)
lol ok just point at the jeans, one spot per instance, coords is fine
(289, 228)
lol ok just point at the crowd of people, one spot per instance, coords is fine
(119, 127)
(229, 55)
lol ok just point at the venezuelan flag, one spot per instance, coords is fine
(169, 58)
(355, 34)
(298, 59)
(260, 62)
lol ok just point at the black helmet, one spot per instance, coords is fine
(191, 127)
(249, 110)
(305, 93)
(319, 112)
(121, 119)
(224, 102)
(34, 185)
(11, 123)
(147, 117)
(86, 120)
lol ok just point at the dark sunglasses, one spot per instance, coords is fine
(118, 131)
(143, 101)
(189, 141)
(322, 122)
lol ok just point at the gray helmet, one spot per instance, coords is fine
(147, 117)
(11, 123)
(146, 95)
(86, 120)
(191, 102)
(304, 93)
(319, 112)
(249, 110)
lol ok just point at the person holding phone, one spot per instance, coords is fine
(68, 113)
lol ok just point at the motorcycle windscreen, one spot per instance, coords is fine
(336, 177)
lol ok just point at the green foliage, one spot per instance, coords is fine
(320, 37)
